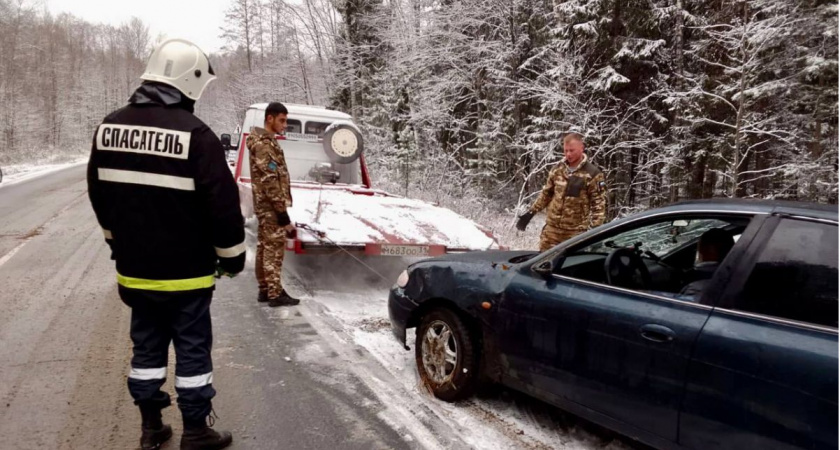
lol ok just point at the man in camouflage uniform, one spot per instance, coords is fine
(575, 194)
(272, 196)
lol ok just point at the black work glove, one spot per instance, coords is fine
(523, 221)
(283, 219)
(220, 272)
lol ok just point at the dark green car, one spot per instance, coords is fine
(703, 325)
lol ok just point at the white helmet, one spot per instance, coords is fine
(182, 65)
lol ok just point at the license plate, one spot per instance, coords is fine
(302, 137)
(405, 250)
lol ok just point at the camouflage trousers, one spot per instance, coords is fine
(271, 248)
(552, 236)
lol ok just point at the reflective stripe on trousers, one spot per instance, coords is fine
(158, 373)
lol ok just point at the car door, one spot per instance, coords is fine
(764, 370)
(620, 353)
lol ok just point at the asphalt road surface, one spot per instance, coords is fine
(286, 377)
(65, 350)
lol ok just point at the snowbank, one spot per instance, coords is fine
(21, 172)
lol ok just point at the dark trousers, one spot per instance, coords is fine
(184, 320)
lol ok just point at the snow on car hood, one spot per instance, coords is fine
(355, 215)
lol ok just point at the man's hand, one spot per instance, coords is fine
(291, 231)
(523, 221)
(222, 272)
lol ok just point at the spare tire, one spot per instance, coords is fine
(343, 144)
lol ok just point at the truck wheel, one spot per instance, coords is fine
(343, 144)
(445, 355)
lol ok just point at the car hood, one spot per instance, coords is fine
(467, 279)
(492, 256)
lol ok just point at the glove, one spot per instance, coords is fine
(523, 221)
(222, 272)
(283, 219)
(291, 234)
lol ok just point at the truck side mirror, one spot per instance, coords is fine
(225, 138)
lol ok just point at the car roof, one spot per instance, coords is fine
(754, 206)
(307, 110)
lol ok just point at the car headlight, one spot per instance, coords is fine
(402, 280)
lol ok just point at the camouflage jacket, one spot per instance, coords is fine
(269, 175)
(576, 198)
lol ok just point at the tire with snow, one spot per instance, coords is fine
(343, 144)
(445, 355)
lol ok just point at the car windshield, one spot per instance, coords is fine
(659, 239)
(307, 161)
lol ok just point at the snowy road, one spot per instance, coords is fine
(326, 374)
(501, 419)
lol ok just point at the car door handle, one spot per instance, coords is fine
(657, 333)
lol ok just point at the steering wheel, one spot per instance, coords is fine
(625, 268)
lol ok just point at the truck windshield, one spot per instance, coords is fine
(307, 161)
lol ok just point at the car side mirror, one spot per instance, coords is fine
(545, 268)
(225, 138)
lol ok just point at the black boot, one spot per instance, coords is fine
(283, 300)
(262, 297)
(155, 433)
(202, 437)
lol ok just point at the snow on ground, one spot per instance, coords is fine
(357, 312)
(21, 172)
(506, 420)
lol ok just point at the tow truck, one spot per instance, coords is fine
(335, 205)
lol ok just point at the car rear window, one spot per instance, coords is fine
(302, 157)
(293, 126)
(316, 128)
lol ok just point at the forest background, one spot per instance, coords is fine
(464, 102)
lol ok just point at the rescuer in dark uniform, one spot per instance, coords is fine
(169, 208)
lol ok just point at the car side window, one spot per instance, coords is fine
(660, 258)
(795, 275)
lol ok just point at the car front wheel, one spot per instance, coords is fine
(445, 355)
